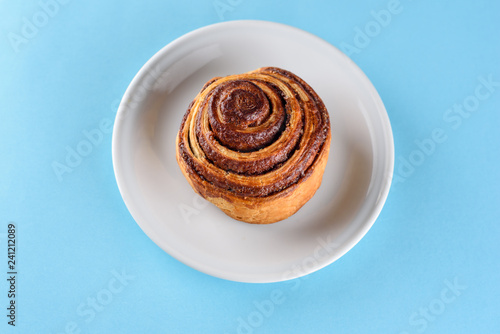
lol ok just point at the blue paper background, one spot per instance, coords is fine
(440, 227)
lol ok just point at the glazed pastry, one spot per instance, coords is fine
(255, 144)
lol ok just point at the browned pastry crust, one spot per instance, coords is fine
(255, 144)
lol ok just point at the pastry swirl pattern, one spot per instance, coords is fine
(252, 136)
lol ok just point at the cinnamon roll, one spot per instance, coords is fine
(255, 144)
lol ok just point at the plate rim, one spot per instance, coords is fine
(382, 115)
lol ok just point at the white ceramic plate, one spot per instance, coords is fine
(355, 183)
